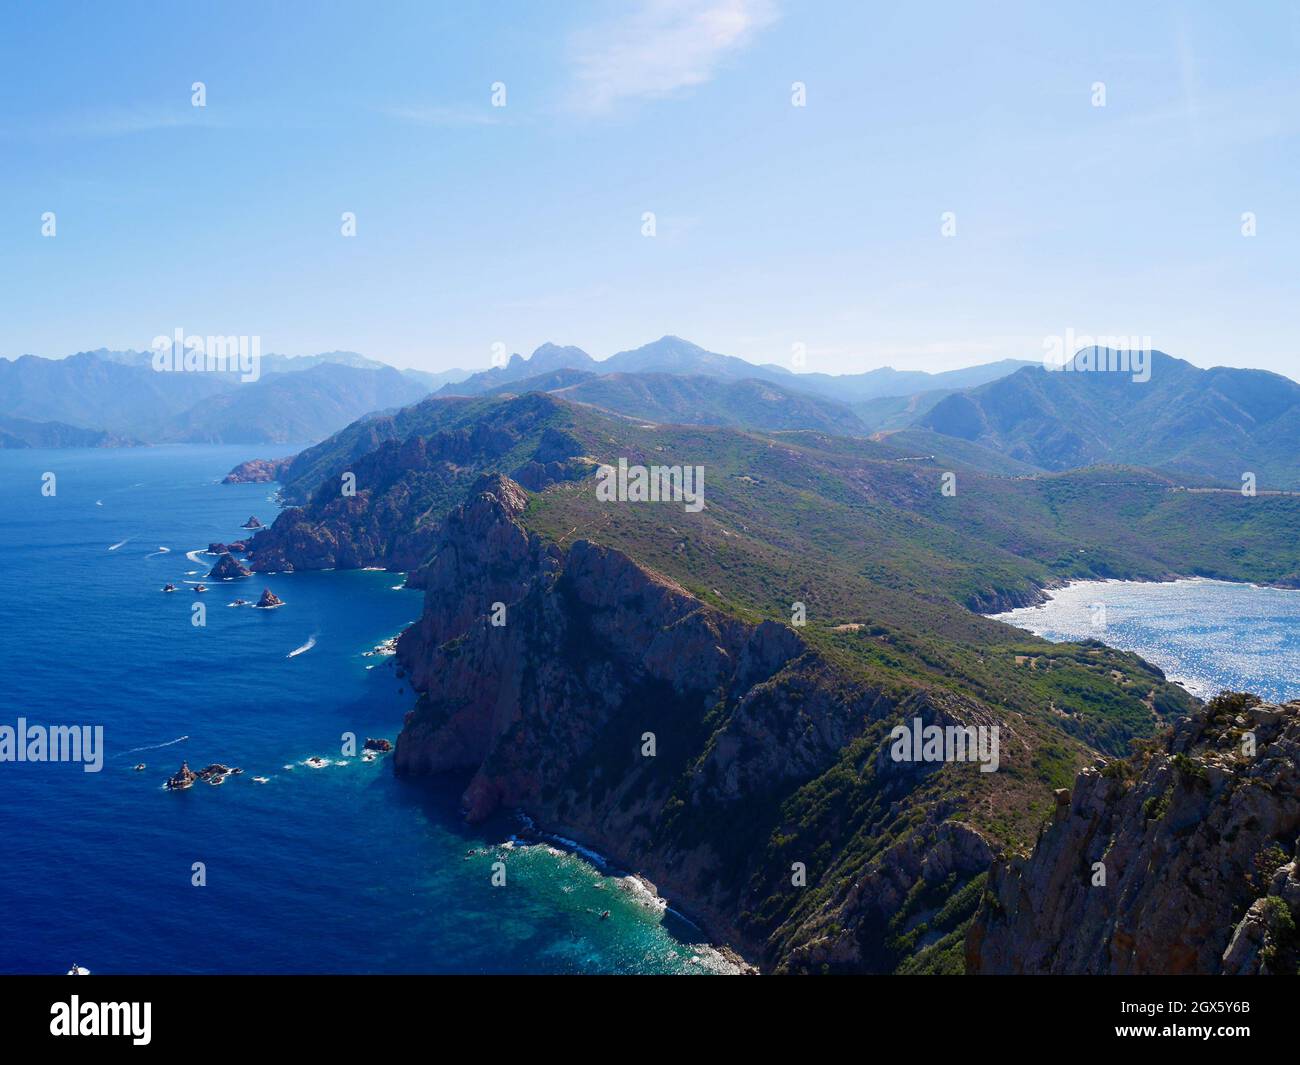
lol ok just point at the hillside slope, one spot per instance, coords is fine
(698, 400)
(1204, 426)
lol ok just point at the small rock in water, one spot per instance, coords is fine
(269, 599)
(182, 778)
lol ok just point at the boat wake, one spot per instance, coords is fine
(160, 551)
(114, 547)
(311, 642)
(154, 747)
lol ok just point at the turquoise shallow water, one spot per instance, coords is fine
(1207, 635)
(340, 869)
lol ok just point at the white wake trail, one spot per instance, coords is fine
(311, 642)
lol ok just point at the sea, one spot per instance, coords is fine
(1208, 636)
(338, 869)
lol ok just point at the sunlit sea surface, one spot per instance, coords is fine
(1207, 635)
(338, 869)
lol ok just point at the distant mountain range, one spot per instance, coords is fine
(673, 355)
(117, 396)
(21, 433)
(107, 398)
(1208, 426)
(1204, 428)
(288, 408)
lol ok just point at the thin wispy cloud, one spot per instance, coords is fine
(660, 49)
(113, 121)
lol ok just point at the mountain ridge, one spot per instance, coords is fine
(1210, 426)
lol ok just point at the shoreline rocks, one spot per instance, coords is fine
(257, 471)
(228, 568)
(252, 523)
(234, 547)
(185, 777)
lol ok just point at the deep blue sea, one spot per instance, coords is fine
(1206, 635)
(338, 869)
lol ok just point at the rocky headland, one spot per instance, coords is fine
(257, 471)
(618, 709)
(1181, 859)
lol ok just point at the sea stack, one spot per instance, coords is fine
(169, 587)
(228, 568)
(184, 778)
(382, 746)
(269, 599)
(251, 523)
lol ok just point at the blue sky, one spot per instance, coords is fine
(775, 225)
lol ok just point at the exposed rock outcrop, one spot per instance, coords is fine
(1180, 860)
(257, 471)
(268, 600)
(617, 708)
(234, 547)
(228, 568)
(182, 778)
(252, 523)
(1000, 600)
(400, 491)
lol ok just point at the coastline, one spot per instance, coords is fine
(1203, 664)
(726, 960)
(533, 833)
(995, 604)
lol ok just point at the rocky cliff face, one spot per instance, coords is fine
(614, 706)
(582, 634)
(1181, 860)
(384, 508)
(257, 471)
(228, 568)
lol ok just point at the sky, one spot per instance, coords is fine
(949, 192)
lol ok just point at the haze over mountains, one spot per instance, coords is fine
(1206, 428)
(122, 398)
(673, 355)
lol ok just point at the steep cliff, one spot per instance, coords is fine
(613, 705)
(623, 671)
(1180, 860)
(383, 507)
